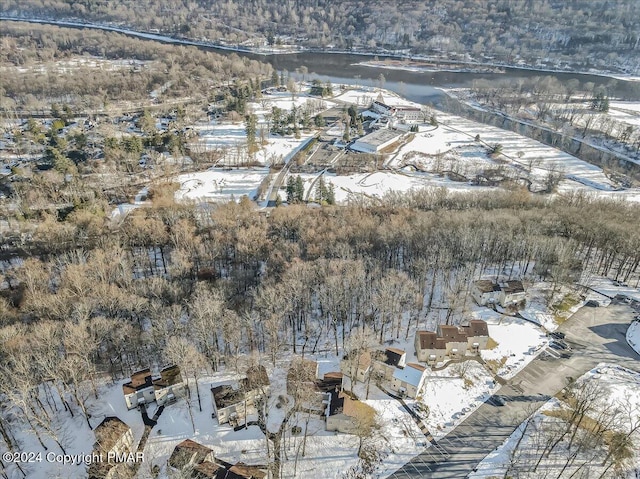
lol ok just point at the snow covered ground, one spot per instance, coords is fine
(518, 340)
(612, 288)
(618, 385)
(376, 185)
(218, 184)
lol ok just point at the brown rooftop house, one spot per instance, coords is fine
(429, 347)
(512, 293)
(208, 470)
(190, 453)
(485, 291)
(357, 365)
(451, 341)
(477, 335)
(455, 340)
(145, 388)
(244, 471)
(112, 437)
(506, 293)
(301, 372)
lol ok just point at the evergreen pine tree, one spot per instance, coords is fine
(291, 189)
(299, 189)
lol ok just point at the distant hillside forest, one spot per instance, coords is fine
(577, 34)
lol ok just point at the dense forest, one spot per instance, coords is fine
(44, 64)
(573, 34)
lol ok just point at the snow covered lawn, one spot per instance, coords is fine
(454, 392)
(217, 184)
(518, 343)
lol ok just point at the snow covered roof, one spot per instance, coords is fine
(412, 374)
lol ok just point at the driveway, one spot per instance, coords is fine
(595, 334)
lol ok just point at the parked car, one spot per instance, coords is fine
(556, 345)
(496, 401)
(557, 335)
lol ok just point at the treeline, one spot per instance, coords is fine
(581, 33)
(200, 287)
(578, 109)
(31, 56)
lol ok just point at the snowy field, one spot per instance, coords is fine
(376, 185)
(517, 456)
(456, 133)
(220, 185)
(519, 341)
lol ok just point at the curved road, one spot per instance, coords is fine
(595, 334)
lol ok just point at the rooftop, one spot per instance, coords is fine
(411, 374)
(225, 396)
(379, 137)
(109, 432)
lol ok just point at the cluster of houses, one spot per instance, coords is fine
(390, 369)
(145, 388)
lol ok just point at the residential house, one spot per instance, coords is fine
(455, 340)
(485, 292)
(190, 453)
(505, 293)
(208, 470)
(429, 347)
(358, 366)
(244, 471)
(234, 404)
(391, 359)
(477, 333)
(512, 293)
(339, 412)
(144, 388)
(409, 114)
(113, 437)
(410, 380)
(382, 108)
(451, 341)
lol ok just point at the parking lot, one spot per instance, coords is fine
(593, 334)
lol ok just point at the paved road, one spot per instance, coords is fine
(596, 335)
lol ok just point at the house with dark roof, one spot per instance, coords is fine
(113, 437)
(189, 454)
(234, 404)
(455, 340)
(477, 332)
(144, 387)
(429, 347)
(451, 341)
(341, 413)
(505, 293)
(390, 359)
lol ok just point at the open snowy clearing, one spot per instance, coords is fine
(220, 185)
(376, 185)
(456, 132)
